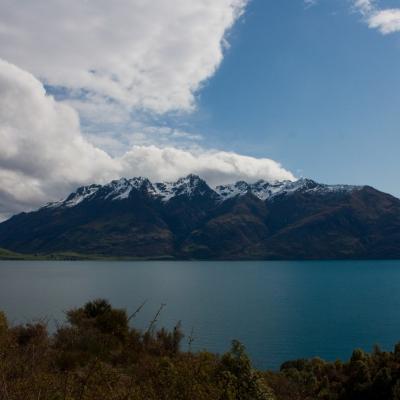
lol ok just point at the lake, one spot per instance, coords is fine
(279, 310)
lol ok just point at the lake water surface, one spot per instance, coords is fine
(279, 310)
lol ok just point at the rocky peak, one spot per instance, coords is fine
(193, 185)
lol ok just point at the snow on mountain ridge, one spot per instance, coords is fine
(76, 197)
(183, 186)
(122, 188)
(266, 190)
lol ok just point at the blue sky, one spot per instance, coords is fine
(226, 89)
(314, 88)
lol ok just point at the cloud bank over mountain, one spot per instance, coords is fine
(44, 154)
(108, 60)
(107, 63)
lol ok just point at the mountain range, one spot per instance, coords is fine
(187, 219)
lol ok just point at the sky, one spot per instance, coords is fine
(228, 89)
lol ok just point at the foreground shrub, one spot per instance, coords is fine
(374, 376)
(97, 356)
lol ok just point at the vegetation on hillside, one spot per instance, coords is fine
(96, 355)
(310, 223)
(10, 255)
(66, 256)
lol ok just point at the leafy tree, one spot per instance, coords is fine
(238, 377)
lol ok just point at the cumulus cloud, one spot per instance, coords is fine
(216, 167)
(105, 62)
(43, 154)
(42, 150)
(144, 54)
(385, 20)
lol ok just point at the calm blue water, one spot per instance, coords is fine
(279, 310)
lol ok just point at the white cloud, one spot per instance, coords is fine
(216, 167)
(42, 150)
(365, 6)
(310, 3)
(144, 54)
(385, 20)
(43, 154)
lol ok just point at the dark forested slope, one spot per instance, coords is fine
(189, 220)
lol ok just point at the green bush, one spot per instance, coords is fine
(97, 356)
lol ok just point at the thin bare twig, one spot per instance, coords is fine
(132, 316)
(191, 339)
(155, 319)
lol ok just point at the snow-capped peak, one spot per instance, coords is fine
(81, 194)
(123, 189)
(261, 189)
(186, 186)
(232, 190)
(268, 190)
(120, 189)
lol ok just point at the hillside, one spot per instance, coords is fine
(189, 220)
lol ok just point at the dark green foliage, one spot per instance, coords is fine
(374, 376)
(97, 356)
(238, 377)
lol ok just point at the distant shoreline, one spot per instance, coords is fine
(8, 255)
